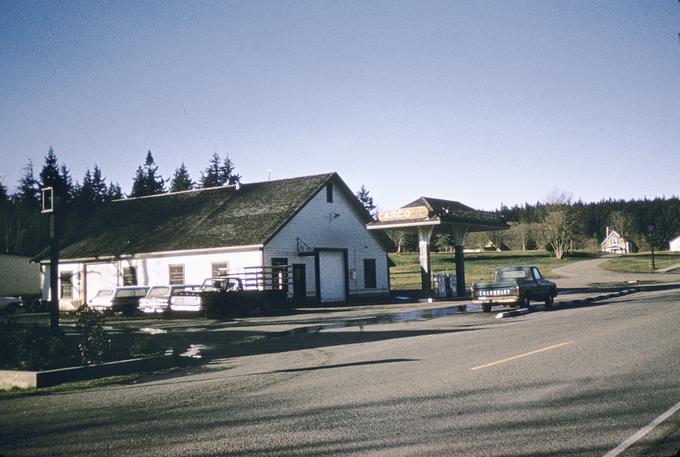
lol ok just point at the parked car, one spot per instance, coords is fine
(157, 300)
(9, 305)
(123, 299)
(516, 285)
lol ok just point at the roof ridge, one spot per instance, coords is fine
(224, 186)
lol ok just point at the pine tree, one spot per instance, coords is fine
(181, 180)
(212, 176)
(365, 198)
(146, 181)
(50, 175)
(114, 192)
(99, 187)
(27, 190)
(219, 173)
(227, 175)
(5, 219)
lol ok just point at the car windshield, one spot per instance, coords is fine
(159, 292)
(213, 284)
(512, 274)
(104, 293)
(125, 292)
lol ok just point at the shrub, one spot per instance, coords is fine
(95, 344)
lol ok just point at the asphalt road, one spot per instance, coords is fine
(576, 381)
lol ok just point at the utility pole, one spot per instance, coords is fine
(652, 238)
(50, 205)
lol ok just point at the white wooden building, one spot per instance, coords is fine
(674, 244)
(313, 227)
(614, 243)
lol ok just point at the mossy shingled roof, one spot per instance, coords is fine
(250, 214)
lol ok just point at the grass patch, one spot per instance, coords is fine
(123, 380)
(71, 386)
(478, 266)
(641, 262)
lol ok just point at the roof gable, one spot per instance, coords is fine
(612, 233)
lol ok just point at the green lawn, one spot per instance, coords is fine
(641, 262)
(478, 266)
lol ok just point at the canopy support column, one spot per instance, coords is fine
(424, 234)
(459, 233)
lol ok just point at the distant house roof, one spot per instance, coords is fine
(448, 212)
(228, 216)
(612, 233)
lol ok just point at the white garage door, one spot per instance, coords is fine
(332, 276)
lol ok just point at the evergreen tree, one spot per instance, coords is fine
(99, 187)
(27, 191)
(219, 173)
(227, 175)
(181, 180)
(53, 176)
(114, 192)
(365, 198)
(212, 177)
(5, 219)
(27, 234)
(147, 181)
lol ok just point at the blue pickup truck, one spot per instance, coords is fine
(514, 286)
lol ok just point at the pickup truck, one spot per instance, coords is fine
(516, 285)
(227, 295)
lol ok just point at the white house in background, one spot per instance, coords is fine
(18, 276)
(674, 244)
(614, 243)
(313, 225)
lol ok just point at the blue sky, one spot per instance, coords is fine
(478, 101)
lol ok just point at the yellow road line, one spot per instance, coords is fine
(527, 354)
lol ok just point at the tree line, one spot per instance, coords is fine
(25, 231)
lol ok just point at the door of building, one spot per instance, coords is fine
(299, 283)
(332, 276)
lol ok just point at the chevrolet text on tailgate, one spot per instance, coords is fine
(516, 285)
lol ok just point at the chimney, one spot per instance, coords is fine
(607, 236)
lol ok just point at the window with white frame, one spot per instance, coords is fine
(219, 269)
(176, 274)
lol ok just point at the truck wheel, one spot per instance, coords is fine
(549, 300)
(486, 307)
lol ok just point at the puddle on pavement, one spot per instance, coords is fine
(399, 318)
(153, 331)
(195, 350)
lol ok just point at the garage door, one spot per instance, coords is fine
(332, 276)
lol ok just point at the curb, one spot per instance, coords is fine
(582, 301)
(47, 378)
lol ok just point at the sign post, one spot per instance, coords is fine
(50, 206)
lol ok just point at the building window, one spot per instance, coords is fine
(280, 273)
(66, 284)
(615, 241)
(369, 274)
(176, 274)
(329, 192)
(219, 269)
(130, 276)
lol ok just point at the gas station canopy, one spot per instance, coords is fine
(425, 213)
